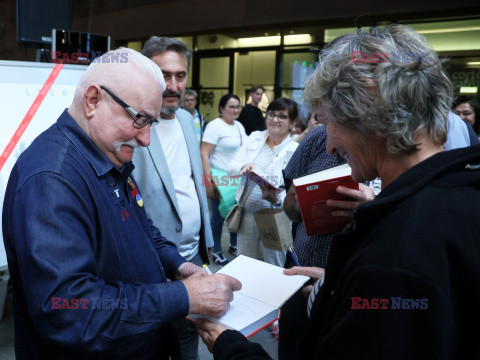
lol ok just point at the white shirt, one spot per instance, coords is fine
(227, 140)
(175, 149)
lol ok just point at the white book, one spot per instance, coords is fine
(265, 288)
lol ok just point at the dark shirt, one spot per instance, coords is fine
(311, 156)
(74, 230)
(471, 134)
(251, 118)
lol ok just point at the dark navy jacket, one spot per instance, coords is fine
(89, 270)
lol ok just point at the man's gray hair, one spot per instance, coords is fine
(387, 83)
(159, 44)
(191, 92)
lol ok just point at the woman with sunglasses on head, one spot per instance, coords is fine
(221, 140)
(269, 151)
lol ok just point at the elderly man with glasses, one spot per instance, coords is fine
(89, 270)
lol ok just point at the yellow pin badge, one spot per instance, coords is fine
(134, 193)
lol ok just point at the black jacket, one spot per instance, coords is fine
(416, 245)
(415, 251)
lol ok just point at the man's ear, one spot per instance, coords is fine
(91, 100)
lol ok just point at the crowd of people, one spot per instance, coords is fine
(121, 212)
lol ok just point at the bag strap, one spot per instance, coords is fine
(245, 195)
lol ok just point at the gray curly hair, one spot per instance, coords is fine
(387, 83)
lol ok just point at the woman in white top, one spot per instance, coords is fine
(221, 140)
(268, 150)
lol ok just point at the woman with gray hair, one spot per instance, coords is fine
(403, 281)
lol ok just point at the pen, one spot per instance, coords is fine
(206, 270)
(293, 255)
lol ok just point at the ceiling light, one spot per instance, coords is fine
(439, 31)
(468, 89)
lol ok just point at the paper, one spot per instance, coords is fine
(263, 281)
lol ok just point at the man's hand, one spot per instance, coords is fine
(314, 273)
(209, 332)
(210, 294)
(346, 207)
(187, 269)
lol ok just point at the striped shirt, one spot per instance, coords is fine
(310, 157)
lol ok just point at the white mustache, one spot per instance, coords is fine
(118, 144)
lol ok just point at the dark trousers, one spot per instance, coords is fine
(292, 324)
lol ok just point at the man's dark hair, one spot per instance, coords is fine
(254, 88)
(159, 44)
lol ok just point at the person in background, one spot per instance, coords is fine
(469, 110)
(222, 138)
(169, 172)
(90, 272)
(251, 116)
(269, 151)
(403, 280)
(190, 101)
(298, 126)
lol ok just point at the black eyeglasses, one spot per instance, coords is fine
(271, 115)
(140, 120)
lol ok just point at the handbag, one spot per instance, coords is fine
(227, 187)
(234, 216)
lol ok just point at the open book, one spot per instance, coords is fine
(265, 288)
(258, 176)
(312, 193)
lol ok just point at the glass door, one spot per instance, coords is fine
(214, 82)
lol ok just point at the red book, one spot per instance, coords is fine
(312, 193)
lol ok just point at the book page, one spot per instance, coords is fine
(263, 281)
(245, 314)
(331, 173)
(261, 178)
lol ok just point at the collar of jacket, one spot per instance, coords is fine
(258, 138)
(449, 168)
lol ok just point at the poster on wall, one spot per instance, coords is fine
(20, 84)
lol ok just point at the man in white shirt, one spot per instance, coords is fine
(169, 172)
